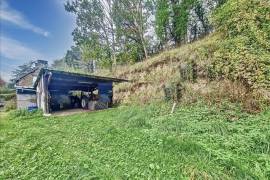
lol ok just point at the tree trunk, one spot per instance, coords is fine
(144, 48)
(113, 47)
(140, 28)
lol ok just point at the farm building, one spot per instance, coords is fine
(54, 90)
(25, 93)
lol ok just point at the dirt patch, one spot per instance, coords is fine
(69, 112)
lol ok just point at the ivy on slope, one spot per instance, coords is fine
(243, 48)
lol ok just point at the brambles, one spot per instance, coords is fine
(243, 48)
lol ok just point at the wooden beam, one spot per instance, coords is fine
(46, 94)
(71, 85)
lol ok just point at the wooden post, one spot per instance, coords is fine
(173, 108)
(45, 99)
(46, 110)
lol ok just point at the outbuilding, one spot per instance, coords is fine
(53, 90)
(56, 90)
(25, 92)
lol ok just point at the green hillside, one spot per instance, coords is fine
(230, 64)
(196, 142)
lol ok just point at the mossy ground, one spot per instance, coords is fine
(196, 142)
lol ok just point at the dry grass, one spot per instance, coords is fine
(150, 76)
(218, 91)
(148, 79)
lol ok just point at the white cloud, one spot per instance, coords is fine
(15, 17)
(12, 49)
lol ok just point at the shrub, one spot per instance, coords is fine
(173, 91)
(10, 105)
(5, 90)
(7, 97)
(243, 50)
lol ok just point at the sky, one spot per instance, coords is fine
(31, 30)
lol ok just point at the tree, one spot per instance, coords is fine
(172, 19)
(59, 64)
(162, 24)
(22, 70)
(93, 51)
(94, 24)
(71, 61)
(180, 14)
(108, 29)
(183, 20)
(73, 57)
(111, 31)
(132, 19)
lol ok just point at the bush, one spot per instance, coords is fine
(7, 97)
(243, 50)
(5, 90)
(10, 105)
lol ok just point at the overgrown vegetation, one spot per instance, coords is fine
(243, 46)
(8, 98)
(196, 142)
(10, 105)
(6, 90)
(235, 57)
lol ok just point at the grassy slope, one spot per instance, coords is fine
(149, 77)
(138, 142)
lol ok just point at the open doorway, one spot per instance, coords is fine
(77, 99)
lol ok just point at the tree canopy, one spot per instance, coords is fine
(110, 32)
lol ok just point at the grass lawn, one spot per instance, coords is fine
(196, 142)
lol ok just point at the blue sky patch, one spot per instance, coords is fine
(33, 29)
